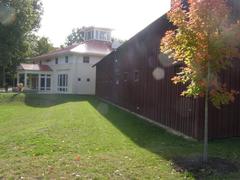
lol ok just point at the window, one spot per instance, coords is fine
(125, 76)
(62, 82)
(56, 60)
(88, 79)
(45, 82)
(66, 59)
(89, 35)
(177, 68)
(79, 79)
(48, 60)
(42, 82)
(97, 35)
(48, 83)
(86, 59)
(103, 35)
(40, 62)
(136, 76)
(108, 36)
(117, 77)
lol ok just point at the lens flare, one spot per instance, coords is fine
(165, 60)
(103, 108)
(7, 15)
(158, 73)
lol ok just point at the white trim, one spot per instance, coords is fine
(25, 79)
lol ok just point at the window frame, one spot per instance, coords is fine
(56, 60)
(86, 59)
(45, 82)
(136, 76)
(62, 83)
(66, 59)
(125, 76)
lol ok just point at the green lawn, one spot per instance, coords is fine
(70, 137)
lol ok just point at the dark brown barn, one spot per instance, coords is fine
(137, 77)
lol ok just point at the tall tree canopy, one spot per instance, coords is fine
(38, 45)
(205, 41)
(76, 36)
(44, 46)
(18, 18)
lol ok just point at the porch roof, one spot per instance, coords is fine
(34, 67)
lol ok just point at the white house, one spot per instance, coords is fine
(68, 70)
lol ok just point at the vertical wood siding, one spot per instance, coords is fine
(160, 100)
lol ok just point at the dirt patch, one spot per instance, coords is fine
(201, 170)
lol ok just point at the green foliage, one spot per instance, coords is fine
(204, 36)
(44, 46)
(75, 37)
(18, 18)
(38, 45)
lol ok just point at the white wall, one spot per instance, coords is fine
(61, 68)
(85, 71)
(75, 68)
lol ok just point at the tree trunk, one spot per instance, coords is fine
(205, 151)
(3, 76)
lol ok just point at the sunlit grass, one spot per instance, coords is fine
(70, 136)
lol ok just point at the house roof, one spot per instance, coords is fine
(93, 47)
(34, 67)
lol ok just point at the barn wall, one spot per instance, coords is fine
(160, 100)
(225, 122)
(155, 99)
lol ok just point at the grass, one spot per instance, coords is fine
(80, 137)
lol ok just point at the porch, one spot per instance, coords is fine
(35, 77)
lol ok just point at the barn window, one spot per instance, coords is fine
(79, 79)
(177, 68)
(125, 76)
(88, 79)
(136, 76)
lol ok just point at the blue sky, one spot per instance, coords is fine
(126, 17)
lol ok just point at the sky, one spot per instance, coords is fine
(125, 17)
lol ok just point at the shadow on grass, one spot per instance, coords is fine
(169, 146)
(48, 100)
(144, 134)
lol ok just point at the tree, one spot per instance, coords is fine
(44, 46)
(18, 18)
(205, 40)
(38, 45)
(75, 37)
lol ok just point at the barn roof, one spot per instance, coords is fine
(162, 22)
